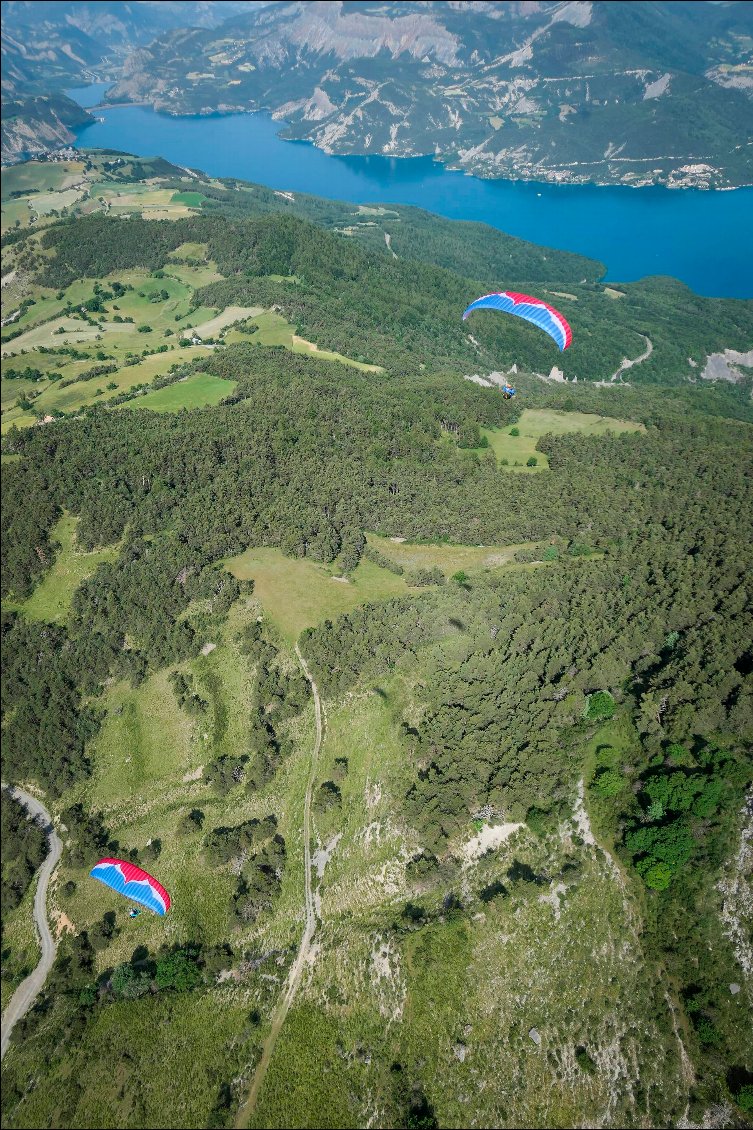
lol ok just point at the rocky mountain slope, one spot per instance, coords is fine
(33, 125)
(48, 43)
(48, 47)
(573, 91)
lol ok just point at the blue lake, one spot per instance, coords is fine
(88, 96)
(703, 238)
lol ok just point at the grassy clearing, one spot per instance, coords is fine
(194, 276)
(230, 314)
(198, 391)
(298, 594)
(300, 345)
(51, 599)
(613, 744)
(148, 761)
(449, 558)
(273, 329)
(146, 740)
(190, 250)
(14, 213)
(192, 199)
(145, 757)
(537, 422)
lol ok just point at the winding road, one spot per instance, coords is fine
(27, 991)
(628, 364)
(302, 957)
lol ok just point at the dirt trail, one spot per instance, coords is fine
(628, 364)
(304, 951)
(27, 991)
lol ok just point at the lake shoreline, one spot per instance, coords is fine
(553, 182)
(699, 237)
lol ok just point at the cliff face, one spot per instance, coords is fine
(634, 93)
(34, 125)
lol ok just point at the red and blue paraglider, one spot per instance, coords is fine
(131, 881)
(531, 309)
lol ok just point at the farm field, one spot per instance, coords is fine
(230, 314)
(51, 397)
(39, 176)
(14, 213)
(513, 451)
(197, 391)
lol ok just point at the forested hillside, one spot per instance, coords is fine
(529, 801)
(401, 313)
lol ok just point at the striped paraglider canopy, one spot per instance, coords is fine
(133, 882)
(531, 309)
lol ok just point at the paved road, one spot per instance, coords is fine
(27, 991)
(296, 969)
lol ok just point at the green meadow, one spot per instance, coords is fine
(197, 391)
(39, 176)
(51, 599)
(272, 329)
(513, 451)
(449, 558)
(298, 594)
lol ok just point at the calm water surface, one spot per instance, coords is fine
(703, 238)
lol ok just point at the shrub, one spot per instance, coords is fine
(600, 706)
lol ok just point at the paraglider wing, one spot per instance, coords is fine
(532, 309)
(131, 881)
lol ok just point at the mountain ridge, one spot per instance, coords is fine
(572, 92)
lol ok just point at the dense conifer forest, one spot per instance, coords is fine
(611, 654)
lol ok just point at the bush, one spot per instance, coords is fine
(600, 706)
(178, 970)
(328, 796)
(608, 783)
(129, 983)
(584, 1061)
